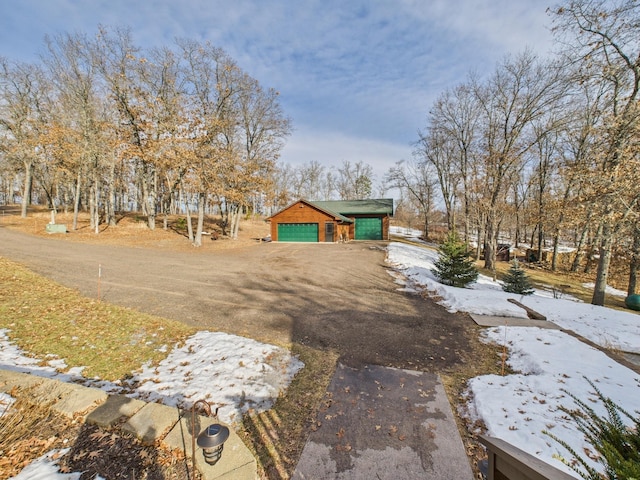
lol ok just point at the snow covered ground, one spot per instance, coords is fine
(516, 407)
(231, 372)
(550, 363)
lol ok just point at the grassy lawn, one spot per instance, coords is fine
(45, 319)
(50, 321)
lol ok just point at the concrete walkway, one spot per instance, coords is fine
(149, 422)
(493, 321)
(384, 424)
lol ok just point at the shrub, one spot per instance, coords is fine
(617, 445)
(516, 280)
(455, 267)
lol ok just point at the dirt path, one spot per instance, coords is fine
(323, 295)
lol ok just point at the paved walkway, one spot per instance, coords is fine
(384, 424)
(149, 422)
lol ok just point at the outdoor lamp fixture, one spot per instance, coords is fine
(211, 440)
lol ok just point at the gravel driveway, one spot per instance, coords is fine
(337, 296)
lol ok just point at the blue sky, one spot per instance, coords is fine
(357, 77)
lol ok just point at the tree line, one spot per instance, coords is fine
(103, 125)
(544, 150)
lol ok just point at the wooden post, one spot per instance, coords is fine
(507, 462)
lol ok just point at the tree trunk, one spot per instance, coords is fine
(28, 187)
(151, 181)
(426, 227)
(201, 201)
(634, 265)
(235, 214)
(491, 242)
(110, 208)
(224, 216)
(467, 220)
(554, 258)
(592, 246)
(540, 241)
(606, 245)
(94, 214)
(576, 259)
(187, 205)
(76, 201)
(480, 237)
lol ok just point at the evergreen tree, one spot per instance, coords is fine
(616, 440)
(516, 280)
(455, 267)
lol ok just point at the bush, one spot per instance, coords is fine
(516, 280)
(617, 445)
(455, 267)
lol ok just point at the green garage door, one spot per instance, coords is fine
(369, 228)
(297, 232)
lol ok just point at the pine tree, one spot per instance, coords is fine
(616, 441)
(455, 267)
(516, 280)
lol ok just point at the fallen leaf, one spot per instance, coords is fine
(95, 454)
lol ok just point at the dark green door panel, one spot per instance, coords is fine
(297, 232)
(369, 228)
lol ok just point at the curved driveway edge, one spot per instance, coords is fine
(326, 296)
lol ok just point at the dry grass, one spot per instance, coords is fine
(132, 230)
(278, 435)
(51, 321)
(28, 430)
(558, 283)
(481, 359)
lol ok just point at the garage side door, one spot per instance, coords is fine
(297, 232)
(369, 228)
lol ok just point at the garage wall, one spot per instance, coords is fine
(302, 213)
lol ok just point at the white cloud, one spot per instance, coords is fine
(357, 78)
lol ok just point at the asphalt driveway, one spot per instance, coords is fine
(337, 296)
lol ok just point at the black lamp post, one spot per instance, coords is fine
(211, 440)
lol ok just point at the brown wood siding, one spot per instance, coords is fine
(300, 212)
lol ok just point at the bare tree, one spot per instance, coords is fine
(439, 150)
(602, 38)
(71, 68)
(354, 182)
(309, 179)
(520, 91)
(23, 95)
(418, 182)
(455, 116)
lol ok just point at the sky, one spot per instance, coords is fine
(545, 365)
(356, 77)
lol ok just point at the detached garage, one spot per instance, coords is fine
(332, 221)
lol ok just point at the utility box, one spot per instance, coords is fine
(56, 228)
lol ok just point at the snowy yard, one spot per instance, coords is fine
(231, 372)
(519, 407)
